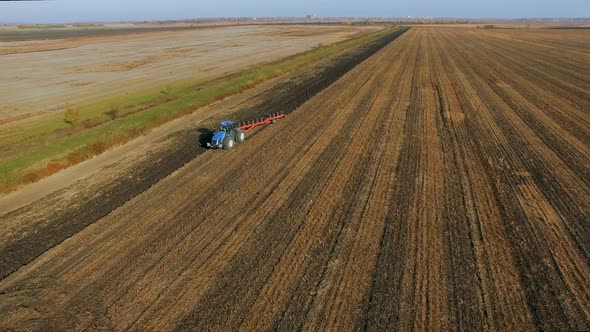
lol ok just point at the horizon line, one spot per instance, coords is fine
(315, 18)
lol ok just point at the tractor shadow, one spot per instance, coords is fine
(205, 135)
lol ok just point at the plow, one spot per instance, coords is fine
(230, 133)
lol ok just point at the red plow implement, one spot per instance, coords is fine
(251, 124)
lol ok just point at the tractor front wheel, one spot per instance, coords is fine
(228, 143)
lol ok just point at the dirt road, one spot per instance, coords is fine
(441, 184)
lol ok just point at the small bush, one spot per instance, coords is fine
(31, 177)
(167, 90)
(99, 147)
(75, 158)
(53, 167)
(71, 116)
(94, 122)
(113, 112)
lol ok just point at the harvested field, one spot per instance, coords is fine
(48, 83)
(443, 183)
(55, 222)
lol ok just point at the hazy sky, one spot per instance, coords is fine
(130, 10)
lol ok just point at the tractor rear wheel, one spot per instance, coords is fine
(228, 143)
(240, 136)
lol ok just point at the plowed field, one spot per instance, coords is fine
(443, 183)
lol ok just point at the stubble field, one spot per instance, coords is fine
(443, 183)
(70, 72)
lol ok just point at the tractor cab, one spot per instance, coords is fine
(226, 126)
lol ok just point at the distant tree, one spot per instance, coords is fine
(368, 22)
(167, 90)
(71, 116)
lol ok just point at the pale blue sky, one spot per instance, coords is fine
(130, 10)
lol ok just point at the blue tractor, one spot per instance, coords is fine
(227, 136)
